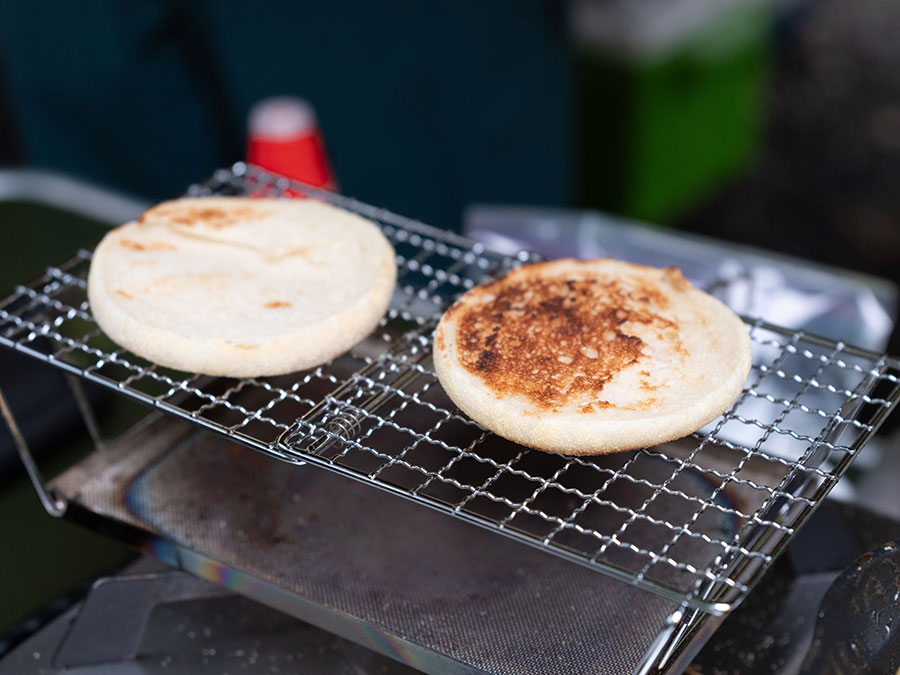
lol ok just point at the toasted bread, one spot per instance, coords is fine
(591, 357)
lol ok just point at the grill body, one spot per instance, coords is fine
(497, 558)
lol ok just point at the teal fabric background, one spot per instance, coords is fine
(425, 106)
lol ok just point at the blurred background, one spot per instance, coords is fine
(772, 122)
(543, 124)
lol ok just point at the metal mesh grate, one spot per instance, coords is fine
(697, 520)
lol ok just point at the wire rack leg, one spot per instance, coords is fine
(53, 504)
(661, 647)
(86, 410)
(678, 641)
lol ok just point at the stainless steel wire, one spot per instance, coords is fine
(698, 520)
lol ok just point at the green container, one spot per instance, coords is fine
(666, 116)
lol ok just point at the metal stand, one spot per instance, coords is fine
(54, 505)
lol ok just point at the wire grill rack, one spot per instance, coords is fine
(698, 520)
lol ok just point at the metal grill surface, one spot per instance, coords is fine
(697, 520)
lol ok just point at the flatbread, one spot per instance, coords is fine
(241, 287)
(591, 357)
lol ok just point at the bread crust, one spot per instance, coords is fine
(241, 287)
(591, 357)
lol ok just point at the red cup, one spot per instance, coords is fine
(283, 137)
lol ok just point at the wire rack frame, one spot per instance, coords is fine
(698, 520)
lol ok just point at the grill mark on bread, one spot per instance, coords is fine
(208, 216)
(674, 276)
(270, 256)
(594, 406)
(277, 304)
(125, 295)
(557, 340)
(132, 245)
(645, 380)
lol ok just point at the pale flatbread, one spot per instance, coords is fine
(591, 357)
(241, 287)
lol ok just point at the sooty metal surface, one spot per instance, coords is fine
(434, 592)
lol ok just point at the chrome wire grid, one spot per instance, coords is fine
(698, 520)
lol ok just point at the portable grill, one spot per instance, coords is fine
(681, 531)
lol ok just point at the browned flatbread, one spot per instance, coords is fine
(590, 357)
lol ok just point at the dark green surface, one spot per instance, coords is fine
(42, 557)
(658, 134)
(33, 236)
